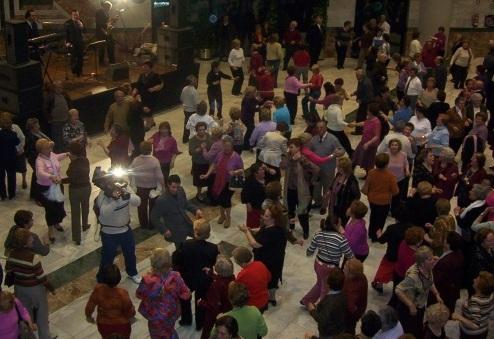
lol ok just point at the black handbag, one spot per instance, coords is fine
(25, 332)
(236, 182)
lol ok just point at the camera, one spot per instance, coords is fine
(111, 183)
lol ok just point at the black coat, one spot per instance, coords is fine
(191, 258)
(73, 34)
(349, 192)
(315, 37)
(8, 151)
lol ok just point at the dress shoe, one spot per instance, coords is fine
(86, 227)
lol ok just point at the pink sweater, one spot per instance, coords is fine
(48, 166)
(8, 321)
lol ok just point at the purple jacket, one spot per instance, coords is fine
(356, 235)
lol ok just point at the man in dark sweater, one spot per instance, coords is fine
(329, 312)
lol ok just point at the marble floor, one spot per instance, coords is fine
(73, 267)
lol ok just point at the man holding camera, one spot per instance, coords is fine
(113, 204)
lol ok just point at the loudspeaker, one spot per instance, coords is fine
(118, 72)
(23, 102)
(173, 56)
(178, 15)
(170, 37)
(16, 42)
(19, 77)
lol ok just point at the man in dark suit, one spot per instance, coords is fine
(103, 32)
(169, 214)
(190, 260)
(315, 39)
(74, 42)
(32, 32)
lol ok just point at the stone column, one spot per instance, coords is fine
(432, 15)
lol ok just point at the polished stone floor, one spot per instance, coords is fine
(73, 267)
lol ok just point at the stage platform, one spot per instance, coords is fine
(92, 93)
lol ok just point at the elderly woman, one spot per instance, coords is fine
(365, 153)
(423, 168)
(439, 137)
(355, 291)
(160, 292)
(228, 164)
(446, 173)
(482, 256)
(460, 63)
(115, 309)
(425, 202)
(291, 91)
(435, 318)
(253, 194)
(146, 173)
(164, 148)
(331, 246)
(248, 108)
(429, 94)
(33, 134)
(475, 141)
(49, 179)
(12, 312)
(269, 245)
(379, 187)
(390, 325)
(216, 300)
(474, 175)
(8, 157)
(475, 311)
(466, 216)
(226, 328)
(200, 164)
(398, 165)
(236, 61)
(413, 291)
(273, 147)
(422, 125)
(265, 125)
(74, 130)
(30, 282)
(343, 191)
(296, 190)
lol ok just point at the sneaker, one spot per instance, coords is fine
(135, 278)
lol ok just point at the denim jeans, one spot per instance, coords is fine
(109, 246)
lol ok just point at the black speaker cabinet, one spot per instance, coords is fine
(170, 37)
(178, 15)
(118, 72)
(16, 42)
(23, 102)
(174, 56)
(19, 77)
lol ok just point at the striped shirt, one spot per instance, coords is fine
(331, 246)
(477, 309)
(26, 271)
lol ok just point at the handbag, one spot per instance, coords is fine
(25, 331)
(236, 182)
(54, 193)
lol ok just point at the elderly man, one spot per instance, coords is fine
(291, 40)
(74, 130)
(118, 112)
(57, 104)
(169, 214)
(324, 144)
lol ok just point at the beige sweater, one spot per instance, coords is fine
(273, 51)
(462, 57)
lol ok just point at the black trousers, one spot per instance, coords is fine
(292, 202)
(76, 60)
(400, 198)
(344, 141)
(459, 76)
(110, 49)
(289, 50)
(249, 125)
(186, 135)
(340, 55)
(314, 52)
(378, 215)
(237, 84)
(186, 306)
(215, 99)
(9, 171)
(292, 105)
(455, 144)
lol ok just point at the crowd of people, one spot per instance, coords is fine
(406, 161)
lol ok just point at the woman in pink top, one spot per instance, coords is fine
(10, 310)
(165, 148)
(291, 91)
(398, 165)
(355, 231)
(365, 153)
(48, 176)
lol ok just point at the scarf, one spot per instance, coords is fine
(220, 180)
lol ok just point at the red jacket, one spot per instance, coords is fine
(292, 36)
(265, 85)
(255, 276)
(301, 58)
(216, 300)
(355, 291)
